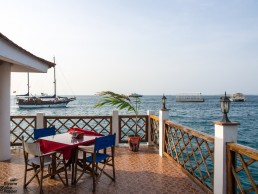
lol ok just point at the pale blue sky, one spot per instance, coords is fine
(143, 46)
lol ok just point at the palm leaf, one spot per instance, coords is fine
(120, 101)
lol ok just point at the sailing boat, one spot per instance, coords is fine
(43, 101)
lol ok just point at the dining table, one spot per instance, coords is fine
(67, 143)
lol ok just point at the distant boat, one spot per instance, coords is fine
(189, 97)
(43, 101)
(135, 95)
(237, 97)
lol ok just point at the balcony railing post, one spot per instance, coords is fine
(224, 132)
(115, 125)
(40, 120)
(149, 112)
(163, 115)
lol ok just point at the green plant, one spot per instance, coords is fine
(120, 101)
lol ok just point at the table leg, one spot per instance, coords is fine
(73, 163)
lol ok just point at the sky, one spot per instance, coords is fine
(143, 46)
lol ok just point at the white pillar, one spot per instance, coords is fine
(40, 120)
(115, 125)
(224, 132)
(163, 115)
(5, 85)
(149, 112)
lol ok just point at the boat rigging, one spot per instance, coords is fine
(43, 101)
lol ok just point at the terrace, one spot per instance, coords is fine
(136, 172)
(187, 164)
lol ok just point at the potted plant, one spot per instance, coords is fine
(121, 102)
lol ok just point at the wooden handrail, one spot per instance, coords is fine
(244, 150)
(75, 117)
(154, 117)
(191, 131)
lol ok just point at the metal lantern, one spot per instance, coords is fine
(164, 100)
(225, 106)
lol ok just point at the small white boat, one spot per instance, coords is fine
(237, 97)
(135, 95)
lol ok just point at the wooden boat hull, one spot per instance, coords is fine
(59, 105)
(43, 103)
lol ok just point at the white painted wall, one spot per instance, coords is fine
(5, 83)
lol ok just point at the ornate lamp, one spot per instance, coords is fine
(164, 100)
(225, 105)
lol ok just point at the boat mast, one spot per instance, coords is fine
(28, 84)
(28, 74)
(54, 79)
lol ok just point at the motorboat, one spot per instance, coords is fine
(135, 95)
(237, 97)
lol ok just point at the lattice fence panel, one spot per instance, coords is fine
(100, 124)
(21, 126)
(127, 126)
(154, 127)
(192, 150)
(242, 169)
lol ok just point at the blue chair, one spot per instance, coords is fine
(44, 132)
(102, 155)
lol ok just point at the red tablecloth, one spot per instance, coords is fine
(49, 146)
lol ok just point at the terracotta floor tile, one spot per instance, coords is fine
(141, 172)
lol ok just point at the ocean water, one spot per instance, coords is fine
(198, 116)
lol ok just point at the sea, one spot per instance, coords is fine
(195, 115)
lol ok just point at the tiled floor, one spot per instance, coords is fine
(136, 172)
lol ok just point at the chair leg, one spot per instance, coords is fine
(41, 178)
(36, 172)
(25, 176)
(74, 180)
(83, 170)
(93, 176)
(65, 170)
(66, 176)
(114, 172)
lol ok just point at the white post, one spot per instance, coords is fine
(40, 120)
(115, 125)
(224, 132)
(5, 85)
(163, 115)
(149, 112)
